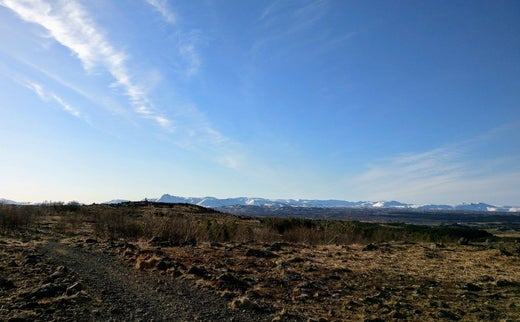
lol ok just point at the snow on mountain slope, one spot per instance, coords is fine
(213, 202)
(8, 202)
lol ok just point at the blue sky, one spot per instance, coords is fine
(416, 101)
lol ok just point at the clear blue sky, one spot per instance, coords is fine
(416, 101)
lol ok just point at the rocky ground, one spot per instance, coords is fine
(47, 277)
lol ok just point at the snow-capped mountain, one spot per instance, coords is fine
(213, 202)
(8, 202)
(115, 201)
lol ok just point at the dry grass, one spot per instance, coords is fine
(414, 281)
(306, 268)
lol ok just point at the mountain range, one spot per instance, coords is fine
(212, 202)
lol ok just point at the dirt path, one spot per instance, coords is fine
(121, 293)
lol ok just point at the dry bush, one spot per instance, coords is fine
(14, 218)
(115, 223)
(181, 224)
(69, 222)
(174, 228)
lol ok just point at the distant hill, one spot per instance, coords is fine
(9, 202)
(213, 202)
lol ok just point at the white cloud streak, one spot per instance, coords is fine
(304, 15)
(48, 96)
(190, 55)
(162, 7)
(187, 50)
(70, 25)
(443, 175)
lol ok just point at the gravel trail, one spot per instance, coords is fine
(122, 293)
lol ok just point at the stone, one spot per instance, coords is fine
(31, 260)
(198, 271)
(231, 282)
(164, 264)
(47, 290)
(463, 241)
(260, 253)
(243, 303)
(277, 246)
(74, 288)
(6, 284)
(369, 248)
(146, 262)
(59, 272)
(443, 314)
(471, 287)
(506, 283)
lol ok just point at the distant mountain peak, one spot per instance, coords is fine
(213, 202)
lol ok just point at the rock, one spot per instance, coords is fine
(128, 252)
(12, 264)
(160, 241)
(352, 304)
(147, 262)
(6, 284)
(59, 272)
(471, 287)
(198, 271)
(17, 319)
(129, 246)
(505, 252)
(322, 319)
(243, 303)
(398, 315)
(443, 314)
(369, 248)
(80, 297)
(371, 300)
(277, 246)
(463, 241)
(231, 282)
(30, 260)
(506, 283)
(164, 264)
(74, 288)
(189, 242)
(47, 290)
(260, 253)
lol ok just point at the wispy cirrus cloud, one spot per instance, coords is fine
(50, 96)
(70, 25)
(186, 41)
(162, 7)
(304, 14)
(449, 174)
(191, 58)
(287, 28)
